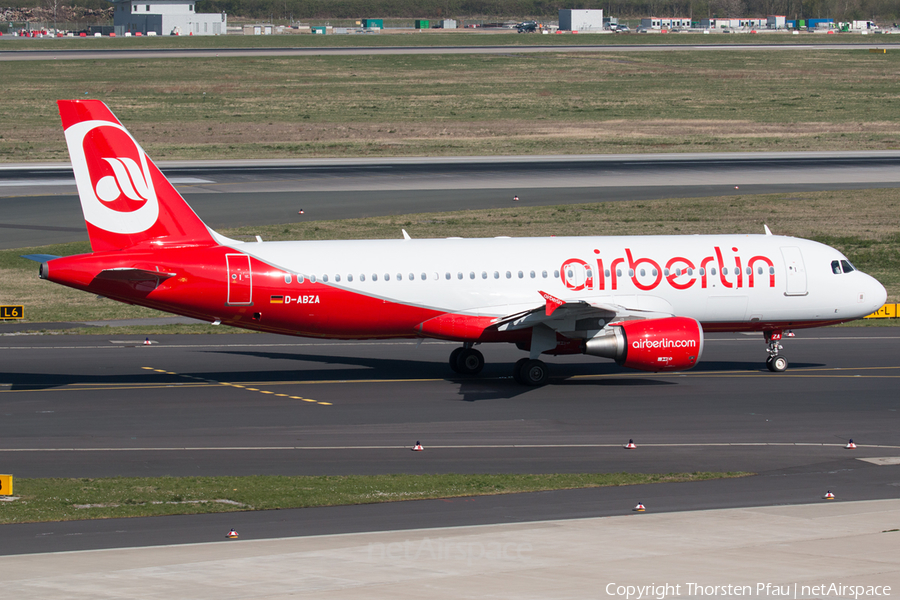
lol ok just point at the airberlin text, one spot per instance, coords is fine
(793, 591)
(728, 269)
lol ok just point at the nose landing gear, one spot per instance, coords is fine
(775, 363)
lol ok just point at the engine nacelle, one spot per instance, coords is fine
(670, 344)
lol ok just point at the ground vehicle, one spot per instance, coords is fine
(527, 27)
(643, 301)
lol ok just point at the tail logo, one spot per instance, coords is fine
(113, 177)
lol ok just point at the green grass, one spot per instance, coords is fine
(430, 105)
(866, 231)
(70, 499)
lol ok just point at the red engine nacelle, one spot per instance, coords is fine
(671, 344)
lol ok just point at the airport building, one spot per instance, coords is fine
(165, 17)
(580, 20)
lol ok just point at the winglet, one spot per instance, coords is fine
(552, 302)
(768, 231)
(405, 235)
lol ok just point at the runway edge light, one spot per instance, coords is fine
(6, 485)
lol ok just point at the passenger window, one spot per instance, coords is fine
(411, 276)
(496, 274)
(532, 274)
(459, 275)
(643, 272)
(771, 270)
(759, 270)
(836, 267)
(847, 266)
(362, 277)
(631, 272)
(484, 274)
(618, 272)
(712, 271)
(471, 274)
(749, 271)
(424, 277)
(544, 274)
(570, 274)
(556, 274)
(589, 273)
(324, 278)
(287, 278)
(702, 271)
(447, 276)
(374, 276)
(312, 278)
(300, 279)
(666, 272)
(521, 274)
(606, 273)
(724, 271)
(399, 276)
(387, 276)
(349, 277)
(654, 272)
(690, 272)
(337, 278)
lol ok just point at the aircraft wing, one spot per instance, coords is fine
(569, 315)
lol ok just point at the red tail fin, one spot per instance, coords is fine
(126, 200)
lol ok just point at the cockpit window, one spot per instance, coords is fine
(847, 266)
(836, 267)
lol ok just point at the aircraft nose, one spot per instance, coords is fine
(874, 295)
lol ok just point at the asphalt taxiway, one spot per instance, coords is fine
(243, 404)
(40, 206)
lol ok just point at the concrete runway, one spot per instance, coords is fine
(26, 54)
(39, 205)
(86, 406)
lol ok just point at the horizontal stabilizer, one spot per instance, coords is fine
(39, 257)
(128, 274)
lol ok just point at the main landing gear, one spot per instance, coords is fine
(775, 363)
(468, 361)
(531, 372)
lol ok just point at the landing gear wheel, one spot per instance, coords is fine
(454, 358)
(517, 370)
(534, 373)
(777, 364)
(469, 361)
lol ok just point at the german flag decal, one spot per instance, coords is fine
(276, 299)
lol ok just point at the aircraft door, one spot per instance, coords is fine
(795, 271)
(240, 279)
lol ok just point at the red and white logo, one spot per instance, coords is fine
(113, 177)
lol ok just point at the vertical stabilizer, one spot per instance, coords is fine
(125, 198)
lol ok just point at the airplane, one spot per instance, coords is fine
(643, 301)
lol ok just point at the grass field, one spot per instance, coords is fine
(431, 105)
(864, 224)
(71, 499)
